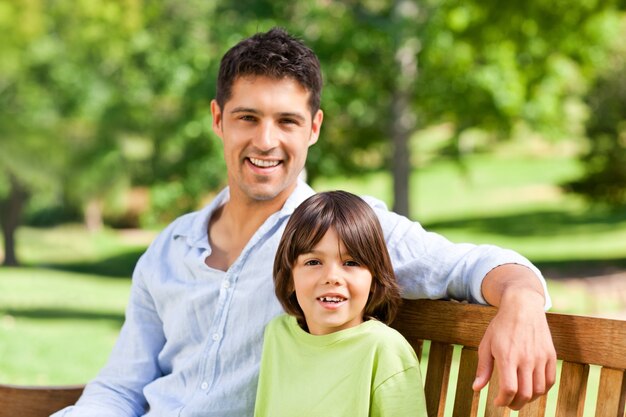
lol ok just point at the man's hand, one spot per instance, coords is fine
(518, 338)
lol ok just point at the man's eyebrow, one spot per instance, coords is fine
(251, 110)
(245, 110)
(293, 115)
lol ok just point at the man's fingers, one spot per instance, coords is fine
(551, 371)
(539, 382)
(507, 385)
(483, 369)
(525, 387)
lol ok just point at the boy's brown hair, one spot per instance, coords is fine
(358, 228)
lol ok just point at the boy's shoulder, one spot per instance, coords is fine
(388, 339)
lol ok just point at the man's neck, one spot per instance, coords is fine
(233, 225)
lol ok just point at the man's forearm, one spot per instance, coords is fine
(512, 280)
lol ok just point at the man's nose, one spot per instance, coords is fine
(266, 138)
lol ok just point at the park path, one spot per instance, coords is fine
(603, 292)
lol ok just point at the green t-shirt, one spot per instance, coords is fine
(367, 370)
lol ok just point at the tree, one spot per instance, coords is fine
(101, 97)
(394, 67)
(604, 179)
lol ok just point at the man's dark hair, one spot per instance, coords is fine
(358, 228)
(274, 54)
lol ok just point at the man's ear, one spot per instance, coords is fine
(316, 126)
(216, 112)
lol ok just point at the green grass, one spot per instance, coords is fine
(61, 313)
(57, 327)
(513, 202)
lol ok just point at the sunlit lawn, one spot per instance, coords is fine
(60, 315)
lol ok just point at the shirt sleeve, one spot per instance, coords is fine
(427, 265)
(400, 395)
(118, 389)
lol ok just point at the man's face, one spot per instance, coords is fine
(267, 128)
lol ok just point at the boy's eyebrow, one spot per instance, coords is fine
(342, 254)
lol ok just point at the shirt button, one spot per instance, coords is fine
(216, 337)
(204, 385)
(226, 284)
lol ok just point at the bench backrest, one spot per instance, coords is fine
(20, 401)
(579, 341)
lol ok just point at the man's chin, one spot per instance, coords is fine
(264, 193)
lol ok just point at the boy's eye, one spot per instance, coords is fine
(312, 262)
(351, 263)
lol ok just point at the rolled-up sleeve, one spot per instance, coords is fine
(427, 265)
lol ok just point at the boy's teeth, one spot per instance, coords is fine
(262, 163)
(331, 299)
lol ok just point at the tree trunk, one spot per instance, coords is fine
(93, 215)
(401, 162)
(10, 215)
(402, 119)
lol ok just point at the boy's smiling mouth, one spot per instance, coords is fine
(331, 299)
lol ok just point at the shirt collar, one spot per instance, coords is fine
(194, 227)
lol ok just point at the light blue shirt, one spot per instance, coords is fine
(191, 342)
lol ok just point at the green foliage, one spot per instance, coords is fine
(105, 96)
(60, 316)
(604, 180)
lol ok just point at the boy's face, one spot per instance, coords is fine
(267, 128)
(332, 289)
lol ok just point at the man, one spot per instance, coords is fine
(202, 293)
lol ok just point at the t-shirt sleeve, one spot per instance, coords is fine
(400, 395)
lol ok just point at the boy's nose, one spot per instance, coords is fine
(333, 276)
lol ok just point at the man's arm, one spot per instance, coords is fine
(518, 338)
(118, 389)
(427, 265)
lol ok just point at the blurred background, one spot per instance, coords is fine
(486, 121)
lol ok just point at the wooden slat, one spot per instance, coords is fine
(611, 393)
(437, 377)
(491, 410)
(36, 401)
(417, 345)
(465, 399)
(578, 339)
(536, 408)
(572, 390)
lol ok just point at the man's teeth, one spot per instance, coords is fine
(332, 299)
(263, 163)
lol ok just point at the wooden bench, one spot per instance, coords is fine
(579, 341)
(21, 401)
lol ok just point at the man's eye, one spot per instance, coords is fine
(289, 121)
(248, 118)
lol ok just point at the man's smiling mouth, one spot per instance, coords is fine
(262, 163)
